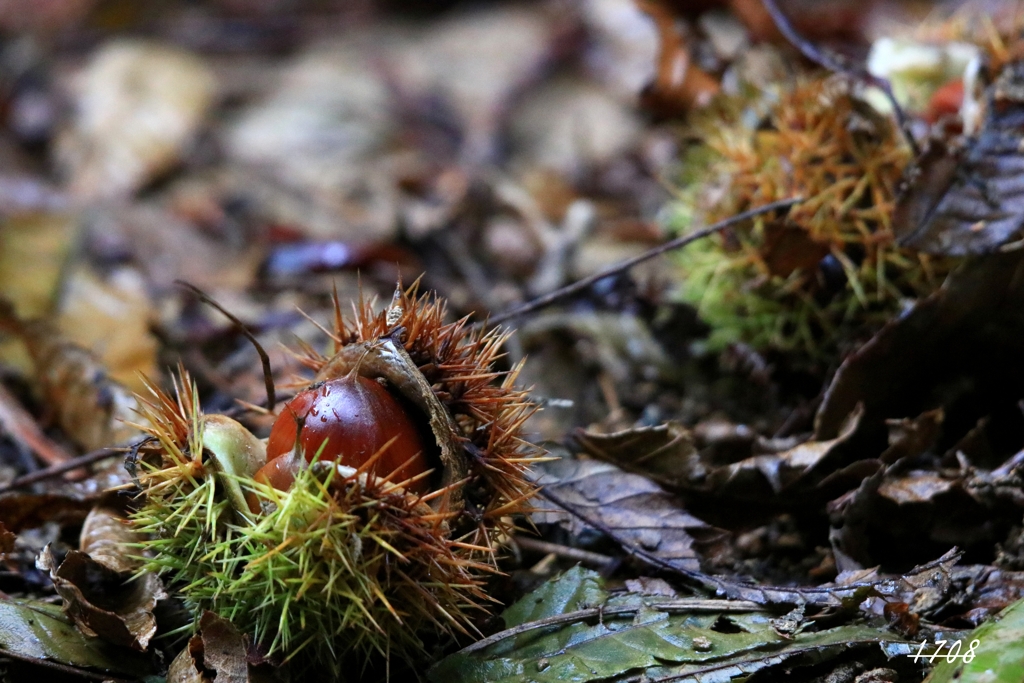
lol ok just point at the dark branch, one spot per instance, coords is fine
(61, 468)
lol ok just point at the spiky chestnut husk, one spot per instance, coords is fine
(829, 270)
(344, 562)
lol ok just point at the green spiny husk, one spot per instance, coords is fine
(340, 565)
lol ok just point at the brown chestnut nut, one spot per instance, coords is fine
(349, 421)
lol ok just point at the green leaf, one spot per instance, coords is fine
(611, 637)
(576, 589)
(998, 654)
(35, 631)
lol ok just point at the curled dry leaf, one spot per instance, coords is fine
(964, 198)
(97, 584)
(103, 602)
(107, 539)
(138, 106)
(632, 509)
(217, 653)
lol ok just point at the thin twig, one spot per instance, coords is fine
(577, 554)
(580, 285)
(835, 63)
(684, 605)
(812, 595)
(268, 375)
(61, 468)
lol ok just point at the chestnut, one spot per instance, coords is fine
(350, 421)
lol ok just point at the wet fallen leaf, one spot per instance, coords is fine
(40, 633)
(572, 629)
(998, 649)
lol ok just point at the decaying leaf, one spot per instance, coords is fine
(632, 509)
(998, 649)
(572, 629)
(217, 653)
(40, 633)
(972, 327)
(770, 475)
(98, 587)
(964, 199)
(665, 453)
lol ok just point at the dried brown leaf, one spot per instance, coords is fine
(973, 327)
(103, 602)
(665, 453)
(632, 509)
(964, 198)
(107, 538)
(217, 653)
(767, 476)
